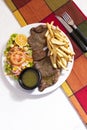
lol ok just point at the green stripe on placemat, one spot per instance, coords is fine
(55, 4)
(83, 27)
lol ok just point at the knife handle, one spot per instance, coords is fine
(81, 35)
(78, 41)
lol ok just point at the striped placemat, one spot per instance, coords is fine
(33, 11)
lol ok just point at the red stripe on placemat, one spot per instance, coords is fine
(51, 18)
(20, 3)
(80, 10)
(82, 97)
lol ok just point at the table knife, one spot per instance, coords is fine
(81, 35)
(73, 34)
(68, 19)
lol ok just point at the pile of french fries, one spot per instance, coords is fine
(59, 47)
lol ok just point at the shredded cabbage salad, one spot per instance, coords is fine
(17, 58)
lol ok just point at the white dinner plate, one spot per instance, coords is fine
(63, 76)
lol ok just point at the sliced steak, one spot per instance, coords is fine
(49, 74)
(37, 41)
(45, 67)
(49, 81)
(42, 62)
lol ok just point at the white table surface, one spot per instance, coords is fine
(23, 112)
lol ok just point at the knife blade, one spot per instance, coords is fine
(82, 46)
(67, 27)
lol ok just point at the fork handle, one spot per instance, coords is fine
(78, 41)
(81, 35)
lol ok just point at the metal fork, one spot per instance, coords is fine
(70, 21)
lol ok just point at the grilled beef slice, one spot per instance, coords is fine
(37, 41)
(42, 62)
(49, 74)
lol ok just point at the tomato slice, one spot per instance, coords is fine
(17, 57)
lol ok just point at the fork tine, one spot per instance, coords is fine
(66, 16)
(65, 13)
(68, 19)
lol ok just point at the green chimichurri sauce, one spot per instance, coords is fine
(30, 78)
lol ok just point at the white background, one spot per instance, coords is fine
(20, 111)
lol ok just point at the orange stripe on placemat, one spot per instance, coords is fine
(73, 81)
(80, 69)
(78, 78)
(79, 109)
(35, 11)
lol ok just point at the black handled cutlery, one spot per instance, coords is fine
(70, 21)
(73, 34)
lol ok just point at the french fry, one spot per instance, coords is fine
(64, 61)
(53, 62)
(58, 44)
(63, 53)
(67, 50)
(59, 54)
(60, 37)
(61, 64)
(47, 33)
(50, 30)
